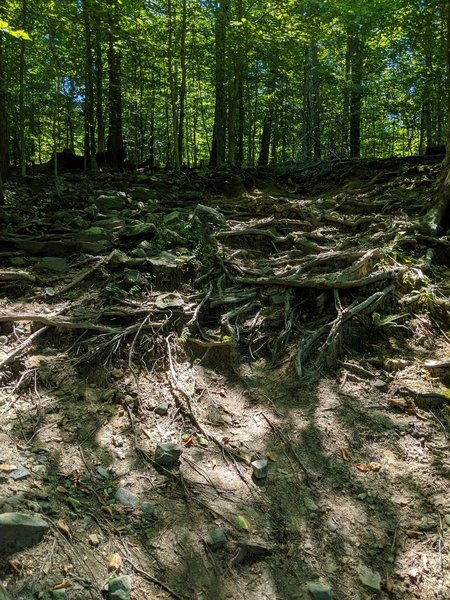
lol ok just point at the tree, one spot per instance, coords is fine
(218, 148)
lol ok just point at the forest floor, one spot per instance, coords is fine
(298, 318)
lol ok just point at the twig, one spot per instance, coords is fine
(154, 580)
(18, 351)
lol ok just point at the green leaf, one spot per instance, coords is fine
(243, 523)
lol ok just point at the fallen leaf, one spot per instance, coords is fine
(107, 509)
(63, 527)
(389, 583)
(5, 468)
(344, 453)
(374, 466)
(202, 441)
(271, 456)
(74, 503)
(243, 523)
(61, 489)
(114, 562)
(362, 467)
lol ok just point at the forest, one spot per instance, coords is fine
(224, 300)
(180, 84)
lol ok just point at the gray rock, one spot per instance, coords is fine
(20, 473)
(148, 509)
(110, 223)
(331, 526)
(319, 591)
(141, 194)
(53, 263)
(117, 258)
(19, 530)
(94, 234)
(369, 578)
(126, 498)
(131, 276)
(3, 340)
(105, 203)
(119, 588)
(447, 520)
(15, 500)
(162, 409)
(59, 594)
(260, 468)
(167, 454)
(138, 230)
(380, 384)
(216, 539)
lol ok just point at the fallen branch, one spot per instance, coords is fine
(9, 275)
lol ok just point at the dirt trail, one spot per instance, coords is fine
(307, 330)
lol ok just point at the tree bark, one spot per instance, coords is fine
(89, 118)
(115, 137)
(356, 54)
(218, 147)
(4, 132)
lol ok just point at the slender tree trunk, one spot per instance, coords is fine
(21, 124)
(173, 88)
(4, 131)
(266, 133)
(182, 113)
(218, 148)
(89, 113)
(99, 90)
(115, 137)
(356, 46)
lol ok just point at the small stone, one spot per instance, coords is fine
(447, 520)
(319, 591)
(118, 441)
(103, 472)
(362, 496)
(162, 409)
(119, 588)
(59, 594)
(40, 470)
(16, 500)
(260, 468)
(148, 508)
(216, 539)
(331, 526)
(20, 473)
(369, 578)
(380, 384)
(3, 340)
(131, 276)
(310, 504)
(126, 498)
(106, 203)
(427, 524)
(19, 531)
(94, 540)
(53, 263)
(167, 455)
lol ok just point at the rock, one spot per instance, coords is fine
(20, 473)
(380, 384)
(119, 588)
(94, 234)
(53, 263)
(369, 578)
(103, 472)
(260, 468)
(110, 223)
(117, 258)
(319, 591)
(216, 539)
(3, 592)
(18, 261)
(138, 230)
(59, 594)
(3, 340)
(142, 194)
(93, 247)
(131, 276)
(209, 215)
(19, 530)
(362, 496)
(447, 520)
(106, 202)
(16, 500)
(167, 455)
(331, 526)
(148, 509)
(250, 552)
(310, 504)
(126, 498)
(162, 409)
(94, 540)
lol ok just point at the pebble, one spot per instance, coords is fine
(216, 539)
(59, 594)
(260, 468)
(126, 498)
(380, 384)
(331, 526)
(162, 409)
(20, 473)
(447, 519)
(319, 591)
(148, 508)
(103, 472)
(369, 578)
(119, 588)
(167, 454)
(94, 540)
(361, 497)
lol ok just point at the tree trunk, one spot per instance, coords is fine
(218, 147)
(22, 68)
(173, 88)
(99, 89)
(4, 132)
(89, 119)
(182, 114)
(356, 54)
(115, 137)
